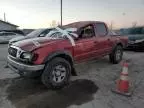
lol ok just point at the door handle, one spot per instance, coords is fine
(95, 42)
(108, 39)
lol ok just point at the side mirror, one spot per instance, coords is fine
(76, 39)
(41, 35)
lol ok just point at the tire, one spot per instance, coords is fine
(52, 73)
(118, 51)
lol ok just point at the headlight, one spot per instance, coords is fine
(131, 41)
(29, 56)
(26, 55)
(10, 43)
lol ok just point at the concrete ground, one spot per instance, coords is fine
(91, 89)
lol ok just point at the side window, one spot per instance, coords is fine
(9, 34)
(87, 32)
(6, 34)
(143, 30)
(101, 29)
(1, 34)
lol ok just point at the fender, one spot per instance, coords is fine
(118, 42)
(58, 53)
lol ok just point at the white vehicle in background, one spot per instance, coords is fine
(6, 36)
(33, 34)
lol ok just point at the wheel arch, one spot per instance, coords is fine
(63, 54)
(119, 44)
(112, 55)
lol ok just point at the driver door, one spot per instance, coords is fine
(85, 45)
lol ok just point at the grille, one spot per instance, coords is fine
(12, 51)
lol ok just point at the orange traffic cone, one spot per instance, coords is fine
(123, 82)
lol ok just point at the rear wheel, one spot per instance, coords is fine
(56, 73)
(116, 56)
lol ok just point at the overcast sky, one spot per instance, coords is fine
(40, 13)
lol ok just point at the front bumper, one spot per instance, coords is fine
(21, 67)
(137, 44)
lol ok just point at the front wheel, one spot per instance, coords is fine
(56, 73)
(116, 56)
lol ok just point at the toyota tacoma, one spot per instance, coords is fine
(53, 57)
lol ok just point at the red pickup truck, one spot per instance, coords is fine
(53, 59)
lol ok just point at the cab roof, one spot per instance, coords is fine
(80, 24)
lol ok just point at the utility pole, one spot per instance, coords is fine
(4, 17)
(111, 25)
(61, 13)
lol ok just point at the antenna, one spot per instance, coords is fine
(61, 12)
(4, 17)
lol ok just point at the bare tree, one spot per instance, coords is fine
(111, 25)
(54, 23)
(134, 24)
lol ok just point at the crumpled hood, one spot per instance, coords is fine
(34, 43)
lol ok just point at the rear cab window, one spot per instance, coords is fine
(101, 29)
